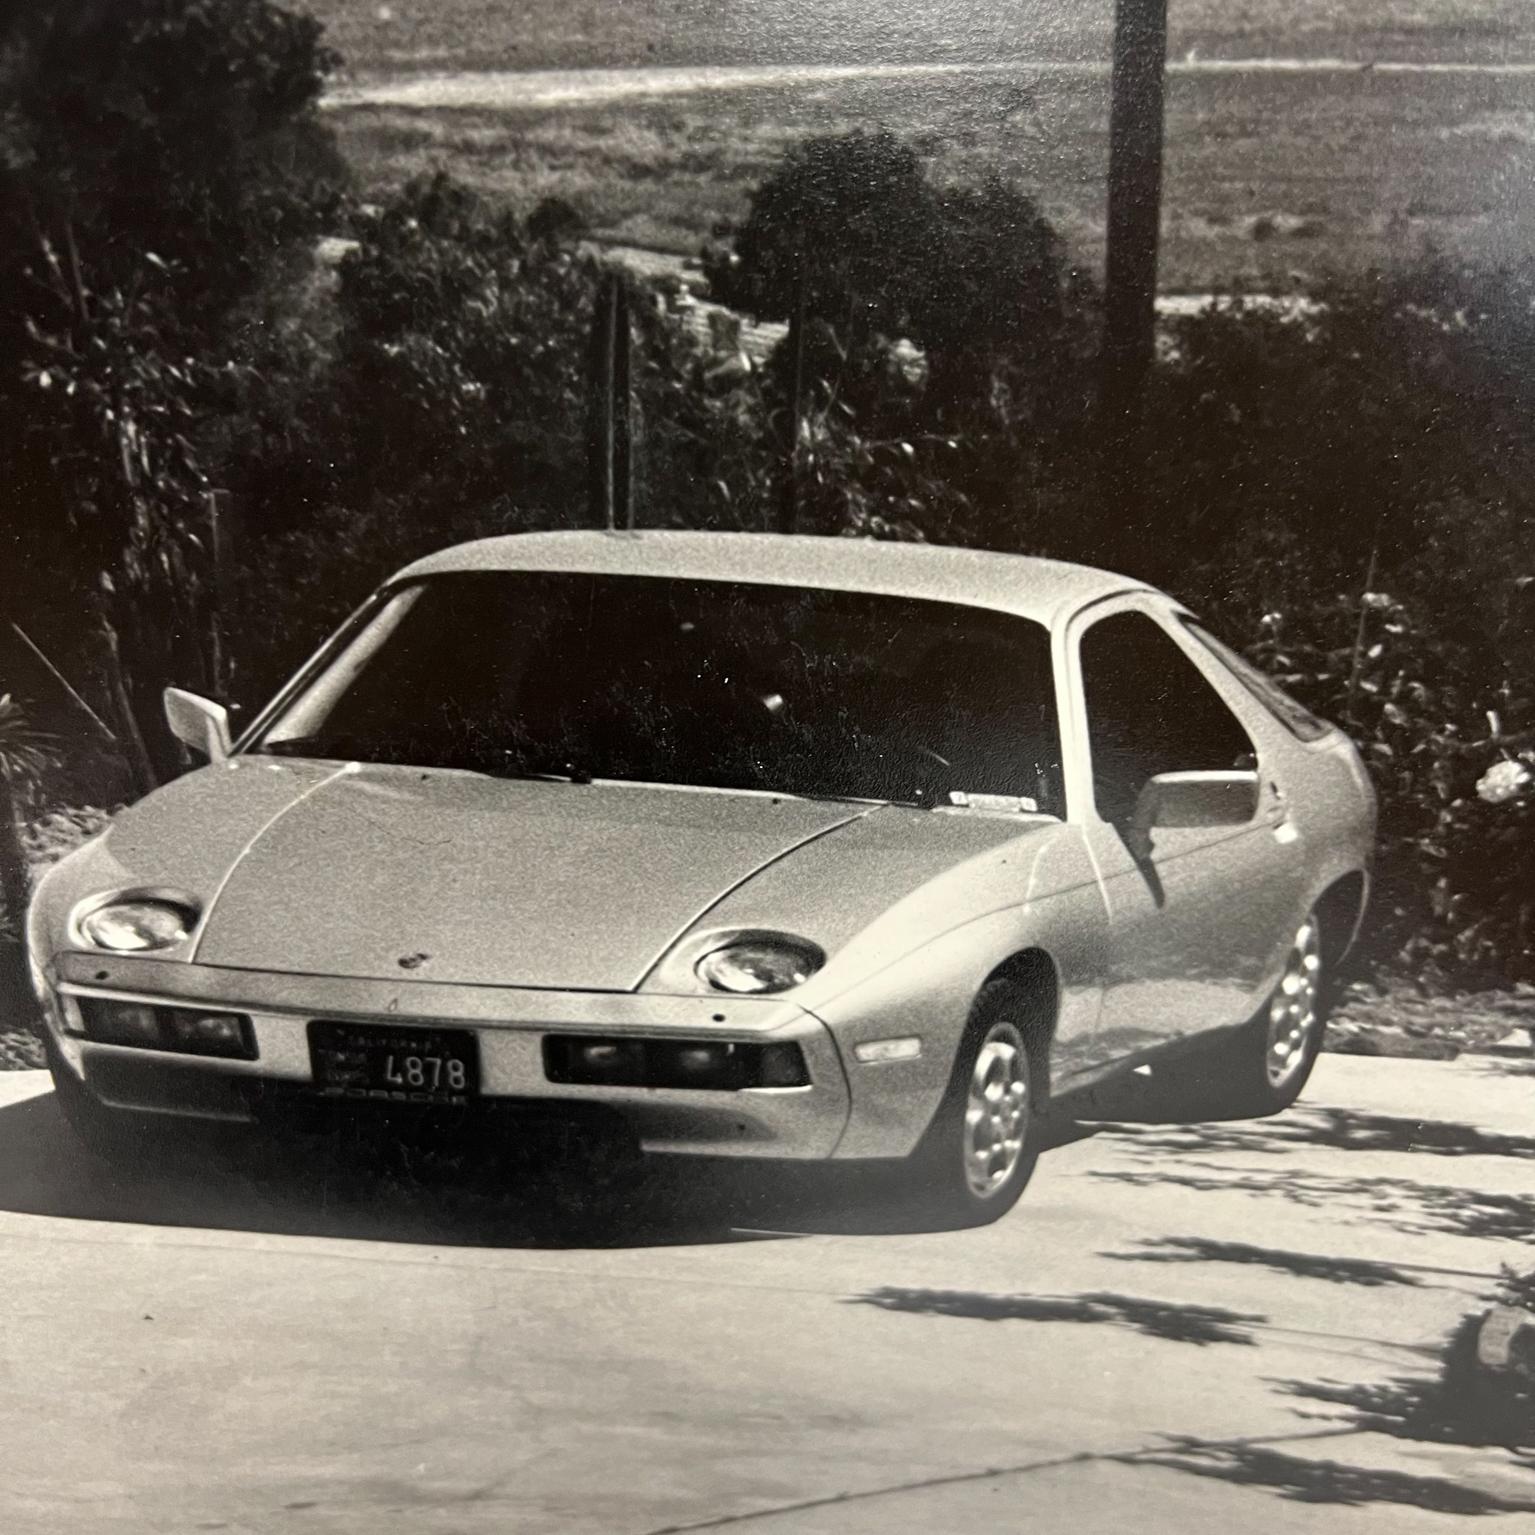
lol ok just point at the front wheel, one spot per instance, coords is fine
(982, 1146)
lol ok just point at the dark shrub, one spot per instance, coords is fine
(946, 348)
(161, 163)
(1348, 490)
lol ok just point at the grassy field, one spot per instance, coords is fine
(388, 36)
(1272, 178)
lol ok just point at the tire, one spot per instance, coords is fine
(1270, 1059)
(982, 1147)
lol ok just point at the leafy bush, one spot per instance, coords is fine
(161, 163)
(1454, 892)
(851, 228)
(146, 136)
(841, 226)
(25, 754)
(1350, 494)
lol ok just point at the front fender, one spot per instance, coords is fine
(89, 869)
(928, 995)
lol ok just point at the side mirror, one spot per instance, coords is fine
(198, 723)
(1191, 799)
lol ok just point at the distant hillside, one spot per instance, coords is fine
(390, 36)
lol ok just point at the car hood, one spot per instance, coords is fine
(454, 877)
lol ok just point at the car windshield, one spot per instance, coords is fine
(711, 684)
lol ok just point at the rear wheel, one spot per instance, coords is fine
(982, 1146)
(1270, 1059)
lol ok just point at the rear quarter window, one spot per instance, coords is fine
(1299, 721)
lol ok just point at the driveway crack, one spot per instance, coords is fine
(990, 1473)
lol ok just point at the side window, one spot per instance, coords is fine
(1298, 720)
(1150, 711)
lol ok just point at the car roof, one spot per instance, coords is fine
(1044, 590)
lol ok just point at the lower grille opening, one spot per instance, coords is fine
(707, 1065)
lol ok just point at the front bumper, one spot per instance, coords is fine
(791, 1122)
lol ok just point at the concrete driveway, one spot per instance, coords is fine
(1179, 1329)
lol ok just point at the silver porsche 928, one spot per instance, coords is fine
(775, 847)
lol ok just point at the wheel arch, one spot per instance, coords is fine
(932, 993)
(1034, 970)
(1340, 910)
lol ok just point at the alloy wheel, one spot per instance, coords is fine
(997, 1111)
(1294, 1015)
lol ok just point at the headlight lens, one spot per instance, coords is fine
(760, 965)
(134, 926)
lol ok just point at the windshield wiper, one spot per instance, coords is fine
(554, 771)
(310, 746)
(355, 749)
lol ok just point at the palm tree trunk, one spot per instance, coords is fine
(139, 763)
(15, 885)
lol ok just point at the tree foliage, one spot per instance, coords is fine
(160, 162)
(151, 138)
(26, 752)
(851, 231)
(1348, 491)
(454, 403)
(947, 341)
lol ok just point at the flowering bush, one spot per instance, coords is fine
(1441, 724)
(1506, 780)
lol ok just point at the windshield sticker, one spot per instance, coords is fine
(995, 804)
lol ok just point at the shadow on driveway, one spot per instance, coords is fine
(351, 1184)
(1399, 1203)
(1304, 1480)
(1335, 1270)
(1175, 1322)
(1337, 1129)
(1461, 1405)
(358, 1189)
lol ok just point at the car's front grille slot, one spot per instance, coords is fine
(706, 1065)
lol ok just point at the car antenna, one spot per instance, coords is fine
(610, 430)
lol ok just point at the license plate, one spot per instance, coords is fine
(365, 1060)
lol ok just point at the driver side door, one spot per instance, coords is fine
(1192, 918)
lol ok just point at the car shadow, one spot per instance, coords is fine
(373, 1188)
(352, 1190)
